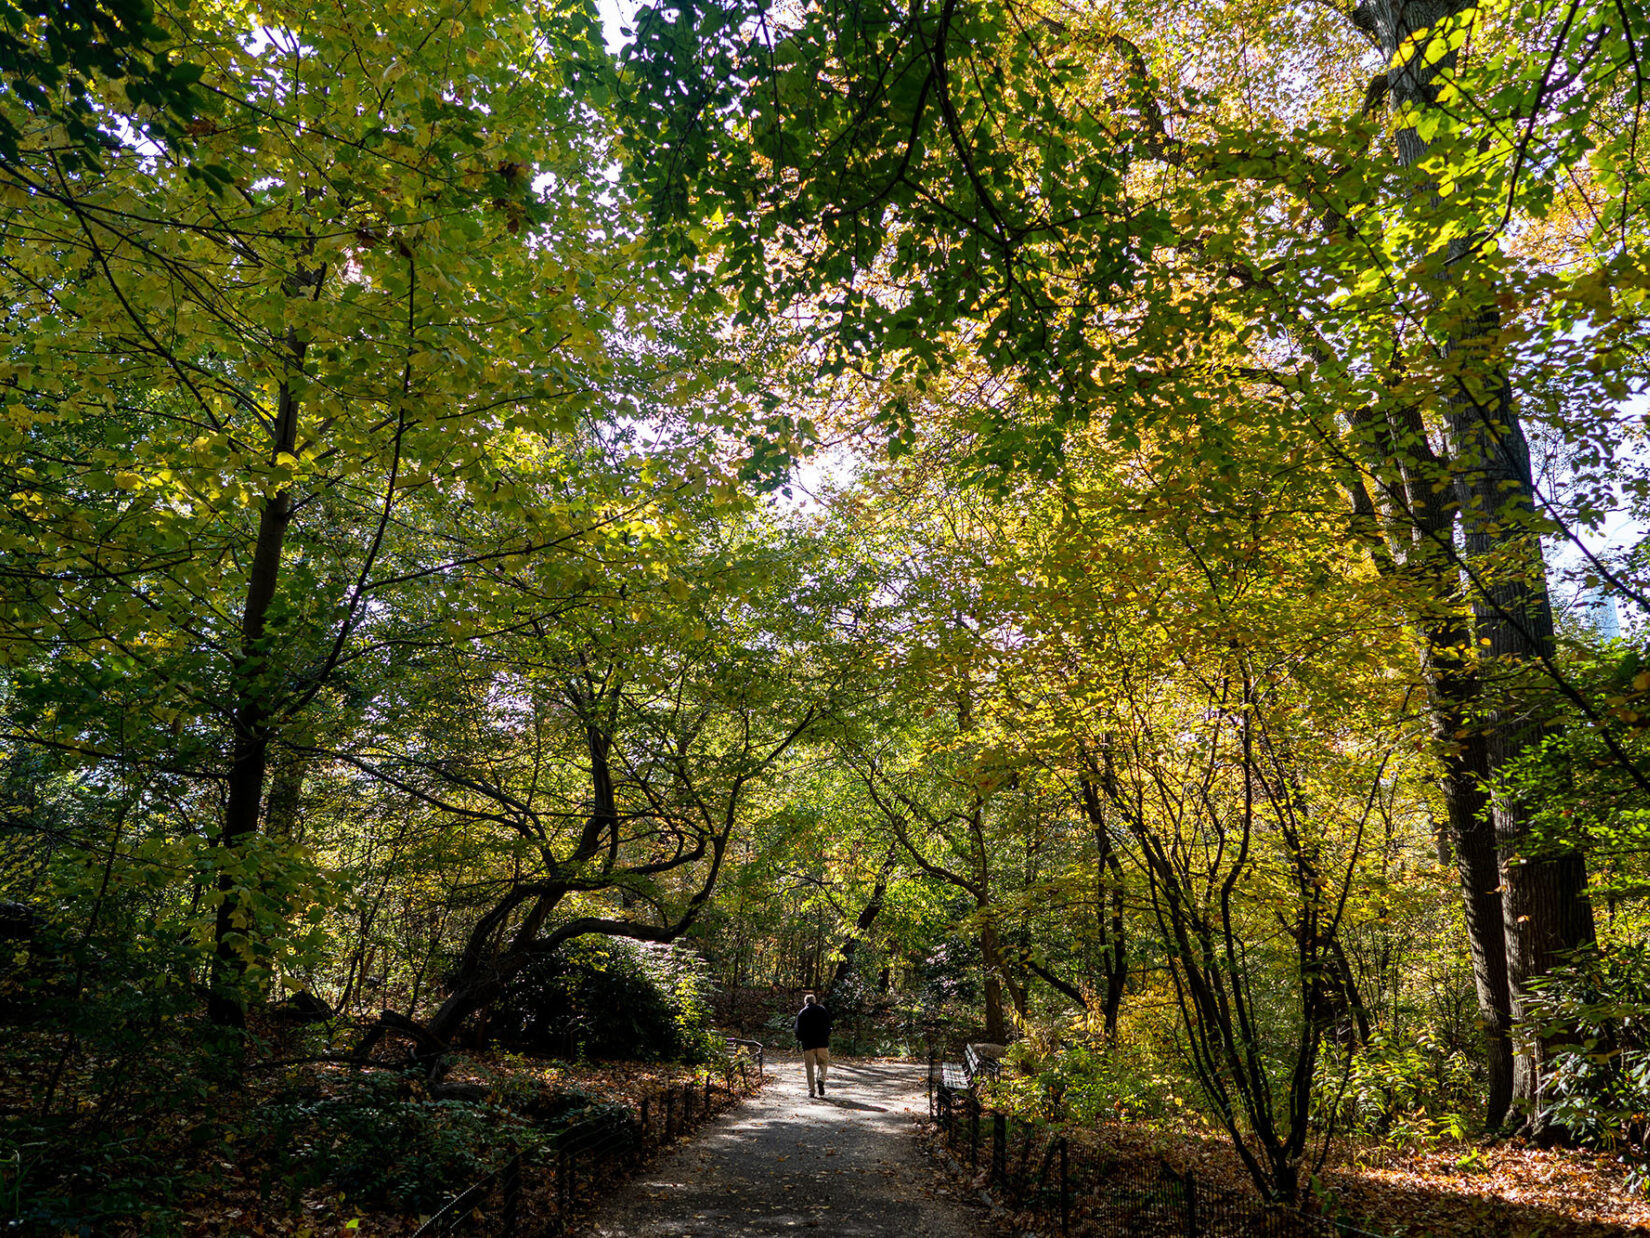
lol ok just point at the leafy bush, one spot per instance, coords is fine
(1406, 1090)
(595, 1125)
(51, 1183)
(96, 1039)
(1595, 1012)
(611, 998)
(1088, 1083)
(379, 1142)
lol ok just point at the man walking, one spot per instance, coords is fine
(813, 1029)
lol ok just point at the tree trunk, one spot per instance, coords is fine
(1452, 691)
(250, 755)
(996, 1022)
(862, 926)
(1419, 531)
(1108, 909)
(996, 1026)
(473, 993)
(1540, 910)
(1544, 907)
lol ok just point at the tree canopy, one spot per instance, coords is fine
(1077, 525)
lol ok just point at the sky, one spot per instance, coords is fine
(615, 14)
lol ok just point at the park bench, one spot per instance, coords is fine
(979, 1060)
(983, 1059)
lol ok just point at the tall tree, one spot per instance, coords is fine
(1341, 223)
(261, 436)
(596, 772)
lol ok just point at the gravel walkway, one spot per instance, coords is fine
(846, 1163)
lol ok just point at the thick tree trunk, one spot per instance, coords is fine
(996, 1026)
(1542, 910)
(472, 993)
(1419, 530)
(1452, 690)
(1544, 907)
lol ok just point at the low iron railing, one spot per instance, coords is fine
(579, 1157)
(736, 1046)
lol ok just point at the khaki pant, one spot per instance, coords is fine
(816, 1057)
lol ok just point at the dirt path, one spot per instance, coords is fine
(780, 1162)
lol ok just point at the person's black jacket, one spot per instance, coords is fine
(813, 1027)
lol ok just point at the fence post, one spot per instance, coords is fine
(999, 1149)
(566, 1196)
(1065, 1189)
(512, 1196)
(670, 1113)
(687, 1104)
(1191, 1205)
(973, 1133)
(707, 1094)
(644, 1121)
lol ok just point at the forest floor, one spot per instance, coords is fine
(852, 1162)
(1453, 1190)
(1466, 1189)
(269, 1155)
(846, 1163)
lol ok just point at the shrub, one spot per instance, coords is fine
(610, 998)
(378, 1141)
(1408, 1090)
(1089, 1083)
(591, 1124)
(1595, 1012)
(96, 1040)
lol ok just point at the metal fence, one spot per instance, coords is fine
(1037, 1166)
(752, 1048)
(579, 1158)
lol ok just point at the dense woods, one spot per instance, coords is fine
(1115, 529)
